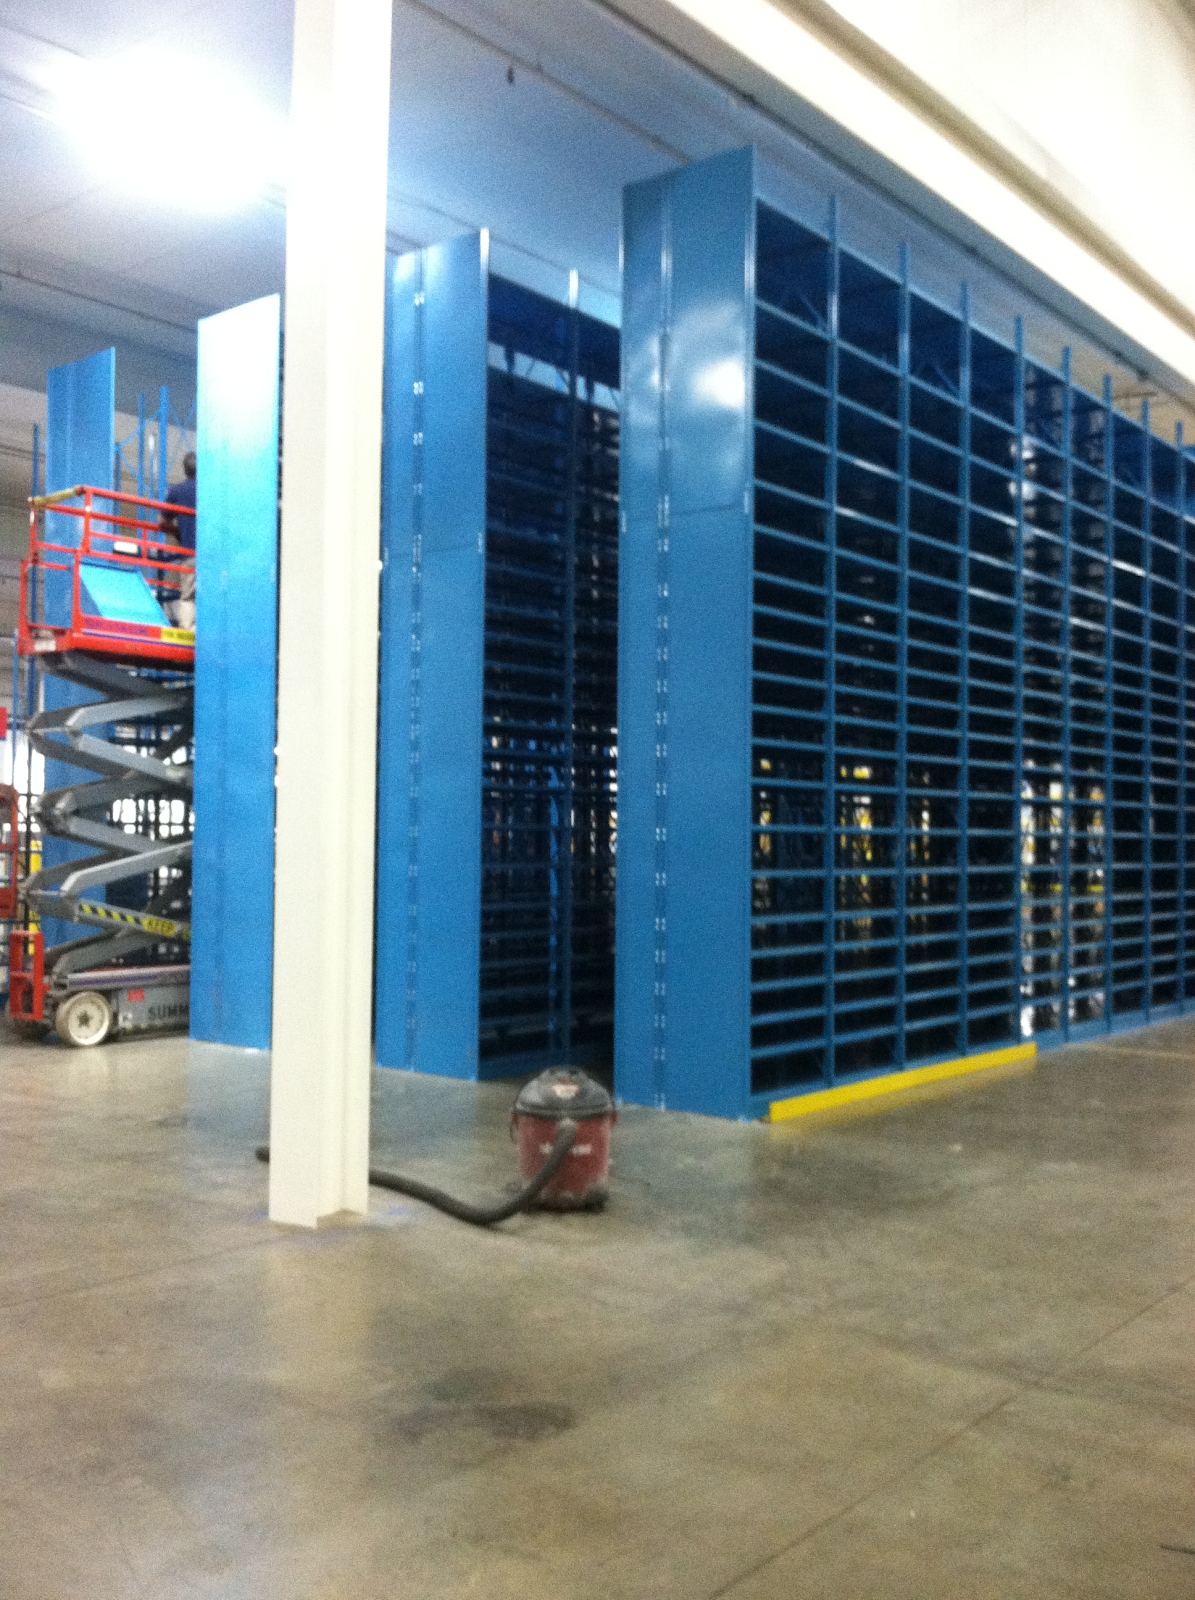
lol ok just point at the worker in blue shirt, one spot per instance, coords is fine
(179, 526)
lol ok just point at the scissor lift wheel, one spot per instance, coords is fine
(83, 1019)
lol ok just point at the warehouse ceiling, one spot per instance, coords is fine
(540, 160)
(523, 116)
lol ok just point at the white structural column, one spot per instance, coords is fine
(328, 609)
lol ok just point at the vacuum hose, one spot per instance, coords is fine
(479, 1216)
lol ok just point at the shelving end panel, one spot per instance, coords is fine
(684, 876)
(433, 621)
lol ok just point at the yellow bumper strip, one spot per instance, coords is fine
(802, 1105)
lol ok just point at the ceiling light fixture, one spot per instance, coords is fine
(161, 124)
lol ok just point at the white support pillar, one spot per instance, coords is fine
(328, 609)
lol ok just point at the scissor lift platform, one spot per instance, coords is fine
(99, 580)
(96, 592)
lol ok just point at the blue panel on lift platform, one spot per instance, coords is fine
(119, 594)
(80, 444)
(433, 603)
(235, 675)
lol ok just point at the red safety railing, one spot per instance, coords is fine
(102, 576)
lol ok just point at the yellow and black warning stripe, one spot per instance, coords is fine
(91, 911)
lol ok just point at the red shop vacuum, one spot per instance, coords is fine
(562, 1122)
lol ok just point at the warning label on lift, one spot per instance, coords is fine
(89, 911)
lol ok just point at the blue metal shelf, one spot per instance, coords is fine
(499, 660)
(914, 617)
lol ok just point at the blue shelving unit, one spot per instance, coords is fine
(496, 803)
(903, 710)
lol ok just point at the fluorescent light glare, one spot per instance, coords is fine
(181, 130)
(722, 383)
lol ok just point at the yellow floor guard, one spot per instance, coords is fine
(802, 1105)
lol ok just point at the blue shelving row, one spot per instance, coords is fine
(497, 746)
(941, 712)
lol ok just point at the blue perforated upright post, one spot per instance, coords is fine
(1109, 639)
(1066, 709)
(640, 1019)
(1180, 495)
(140, 447)
(430, 709)
(163, 473)
(1145, 808)
(830, 647)
(80, 447)
(902, 667)
(683, 1023)
(963, 850)
(1021, 941)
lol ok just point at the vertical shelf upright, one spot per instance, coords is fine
(1130, 725)
(1182, 532)
(1088, 707)
(497, 751)
(903, 671)
(1046, 783)
(1166, 608)
(1185, 508)
(940, 717)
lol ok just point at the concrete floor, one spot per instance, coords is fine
(939, 1351)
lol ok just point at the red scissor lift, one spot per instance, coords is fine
(102, 590)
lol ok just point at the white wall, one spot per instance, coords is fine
(1055, 138)
(1103, 90)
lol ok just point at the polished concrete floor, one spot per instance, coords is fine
(941, 1352)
